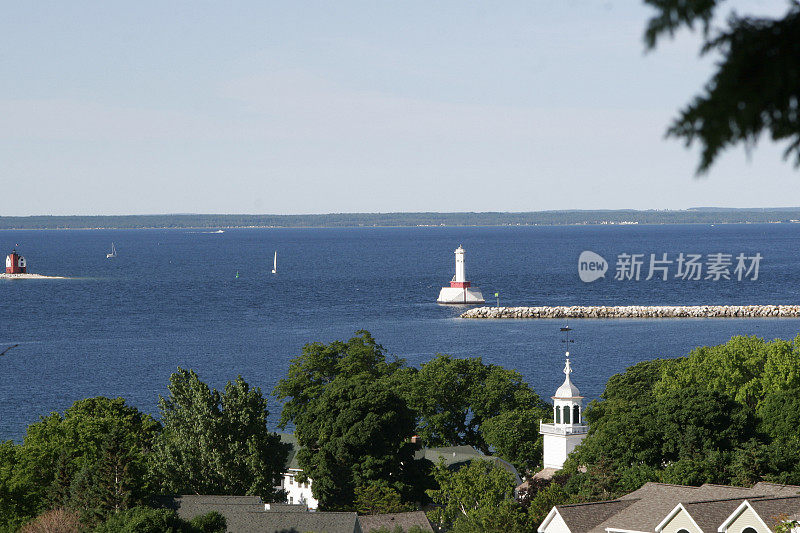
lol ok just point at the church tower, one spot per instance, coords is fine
(567, 431)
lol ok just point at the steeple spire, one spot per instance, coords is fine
(567, 429)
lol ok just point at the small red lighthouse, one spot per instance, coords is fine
(15, 264)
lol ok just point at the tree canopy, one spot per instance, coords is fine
(724, 414)
(216, 442)
(352, 424)
(354, 411)
(467, 402)
(477, 497)
(756, 87)
(91, 459)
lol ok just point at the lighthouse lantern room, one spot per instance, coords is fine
(460, 290)
(15, 264)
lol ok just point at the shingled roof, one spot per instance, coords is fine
(290, 522)
(291, 458)
(645, 508)
(391, 521)
(586, 516)
(248, 514)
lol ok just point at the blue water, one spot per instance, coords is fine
(120, 327)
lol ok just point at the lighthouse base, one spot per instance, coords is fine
(460, 295)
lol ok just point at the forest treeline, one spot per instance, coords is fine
(545, 218)
(727, 414)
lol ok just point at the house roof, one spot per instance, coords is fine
(392, 521)
(587, 516)
(647, 506)
(769, 509)
(656, 500)
(292, 522)
(709, 515)
(291, 458)
(189, 506)
(247, 514)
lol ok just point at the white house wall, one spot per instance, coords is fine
(556, 525)
(298, 492)
(748, 518)
(680, 521)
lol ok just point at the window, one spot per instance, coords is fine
(566, 414)
(291, 480)
(682, 531)
(291, 501)
(576, 414)
(558, 415)
(749, 530)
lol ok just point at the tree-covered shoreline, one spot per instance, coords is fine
(724, 414)
(702, 215)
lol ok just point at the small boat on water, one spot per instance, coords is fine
(275, 263)
(113, 253)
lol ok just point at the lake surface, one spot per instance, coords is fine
(120, 327)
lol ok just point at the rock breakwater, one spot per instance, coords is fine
(637, 311)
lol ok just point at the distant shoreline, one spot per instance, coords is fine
(3, 275)
(620, 217)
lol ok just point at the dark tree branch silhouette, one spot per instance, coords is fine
(756, 87)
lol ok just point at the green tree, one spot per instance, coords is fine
(211, 522)
(779, 415)
(544, 500)
(467, 402)
(623, 426)
(379, 498)
(468, 497)
(694, 422)
(756, 87)
(351, 422)
(144, 520)
(733, 369)
(40, 473)
(19, 498)
(216, 443)
(643, 431)
(746, 369)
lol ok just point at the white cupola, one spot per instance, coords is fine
(567, 429)
(568, 402)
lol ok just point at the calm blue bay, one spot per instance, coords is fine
(120, 327)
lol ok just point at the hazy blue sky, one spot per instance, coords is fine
(315, 107)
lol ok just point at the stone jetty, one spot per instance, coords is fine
(637, 311)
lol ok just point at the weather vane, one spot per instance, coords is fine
(566, 339)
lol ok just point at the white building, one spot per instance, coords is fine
(296, 492)
(567, 431)
(460, 290)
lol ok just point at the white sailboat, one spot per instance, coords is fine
(113, 252)
(275, 263)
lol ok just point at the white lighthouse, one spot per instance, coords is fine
(460, 290)
(567, 431)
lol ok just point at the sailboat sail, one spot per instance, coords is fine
(275, 262)
(113, 252)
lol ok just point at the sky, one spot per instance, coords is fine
(357, 106)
